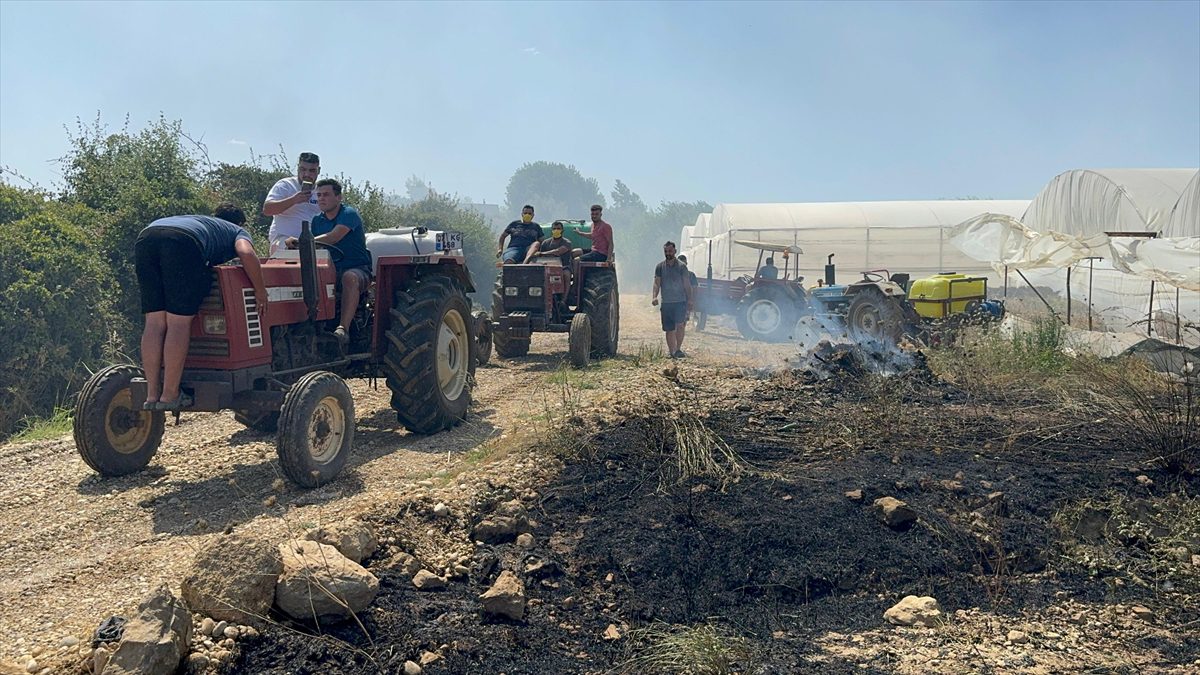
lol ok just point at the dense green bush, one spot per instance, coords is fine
(57, 292)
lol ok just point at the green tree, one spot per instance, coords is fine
(639, 244)
(555, 190)
(444, 212)
(247, 185)
(56, 293)
(133, 178)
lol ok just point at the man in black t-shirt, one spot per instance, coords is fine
(522, 235)
(557, 245)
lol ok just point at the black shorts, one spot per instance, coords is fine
(171, 272)
(674, 314)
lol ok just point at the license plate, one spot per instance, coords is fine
(449, 241)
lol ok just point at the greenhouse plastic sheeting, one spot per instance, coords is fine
(1082, 202)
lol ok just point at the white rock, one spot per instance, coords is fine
(1018, 637)
(207, 625)
(69, 641)
(318, 582)
(230, 632)
(506, 597)
(411, 668)
(525, 541)
(914, 611)
(441, 511)
(428, 581)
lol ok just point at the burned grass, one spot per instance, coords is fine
(639, 561)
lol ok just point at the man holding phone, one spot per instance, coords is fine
(292, 200)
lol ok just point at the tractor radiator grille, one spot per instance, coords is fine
(254, 334)
(212, 301)
(208, 347)
(524, 276)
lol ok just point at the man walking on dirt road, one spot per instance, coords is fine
(673, 279)
(181, 249)
(292, 200)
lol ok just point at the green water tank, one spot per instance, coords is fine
(571, 230)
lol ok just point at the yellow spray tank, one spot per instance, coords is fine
(944, 294)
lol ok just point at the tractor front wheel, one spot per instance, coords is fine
(316, 429)
(112, 436)
(579, 340)
(483, 337)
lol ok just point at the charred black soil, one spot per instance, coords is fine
(786, 552)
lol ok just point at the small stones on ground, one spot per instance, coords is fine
(31, 666)
(525, 541)
(197, 662)
(1018, 637)
(915, 611)
(68, 641)
(441, 511)
(230, 632)
(612, 632)
(411, 668)
(1145, 481)
(218, 630)
(854, 495)
(1143, 613)
(569, 602)
(429, 658)
(428, 581)
(207, 625)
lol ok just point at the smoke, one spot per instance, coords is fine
(827, 348)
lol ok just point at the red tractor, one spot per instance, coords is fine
(414, 327)
(580, 300)
(766, 309)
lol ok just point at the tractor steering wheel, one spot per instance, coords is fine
(873, 276)
(335, 253)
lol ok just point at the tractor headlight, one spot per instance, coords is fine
(510, 291)
(214, 324)
(535, 291)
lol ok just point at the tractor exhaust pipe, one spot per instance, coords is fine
(308, 269)
(830, 274)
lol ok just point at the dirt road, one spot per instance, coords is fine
(78, 548)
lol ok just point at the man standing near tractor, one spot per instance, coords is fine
(338, 225)
(671, 277)
(292, 201)
(183, 249)
(522, 235)
(601, 236)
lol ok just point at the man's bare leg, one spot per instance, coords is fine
(672, 345)
(351, 289)
(679, 331)
(152, 353)
(175, 349)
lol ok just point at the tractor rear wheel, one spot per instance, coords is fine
(316, 429)
(766, 314)
(506, 346)
(872, 315)
(579, 340)
(112, 436)
(430, 357)
(602, 303)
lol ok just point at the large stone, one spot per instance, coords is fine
(894, 513)
(505, 598)
(319, 583)
(914, 611)
(353, 538)
(233, 579)
(156, 640)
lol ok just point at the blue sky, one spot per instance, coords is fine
(722, 102)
